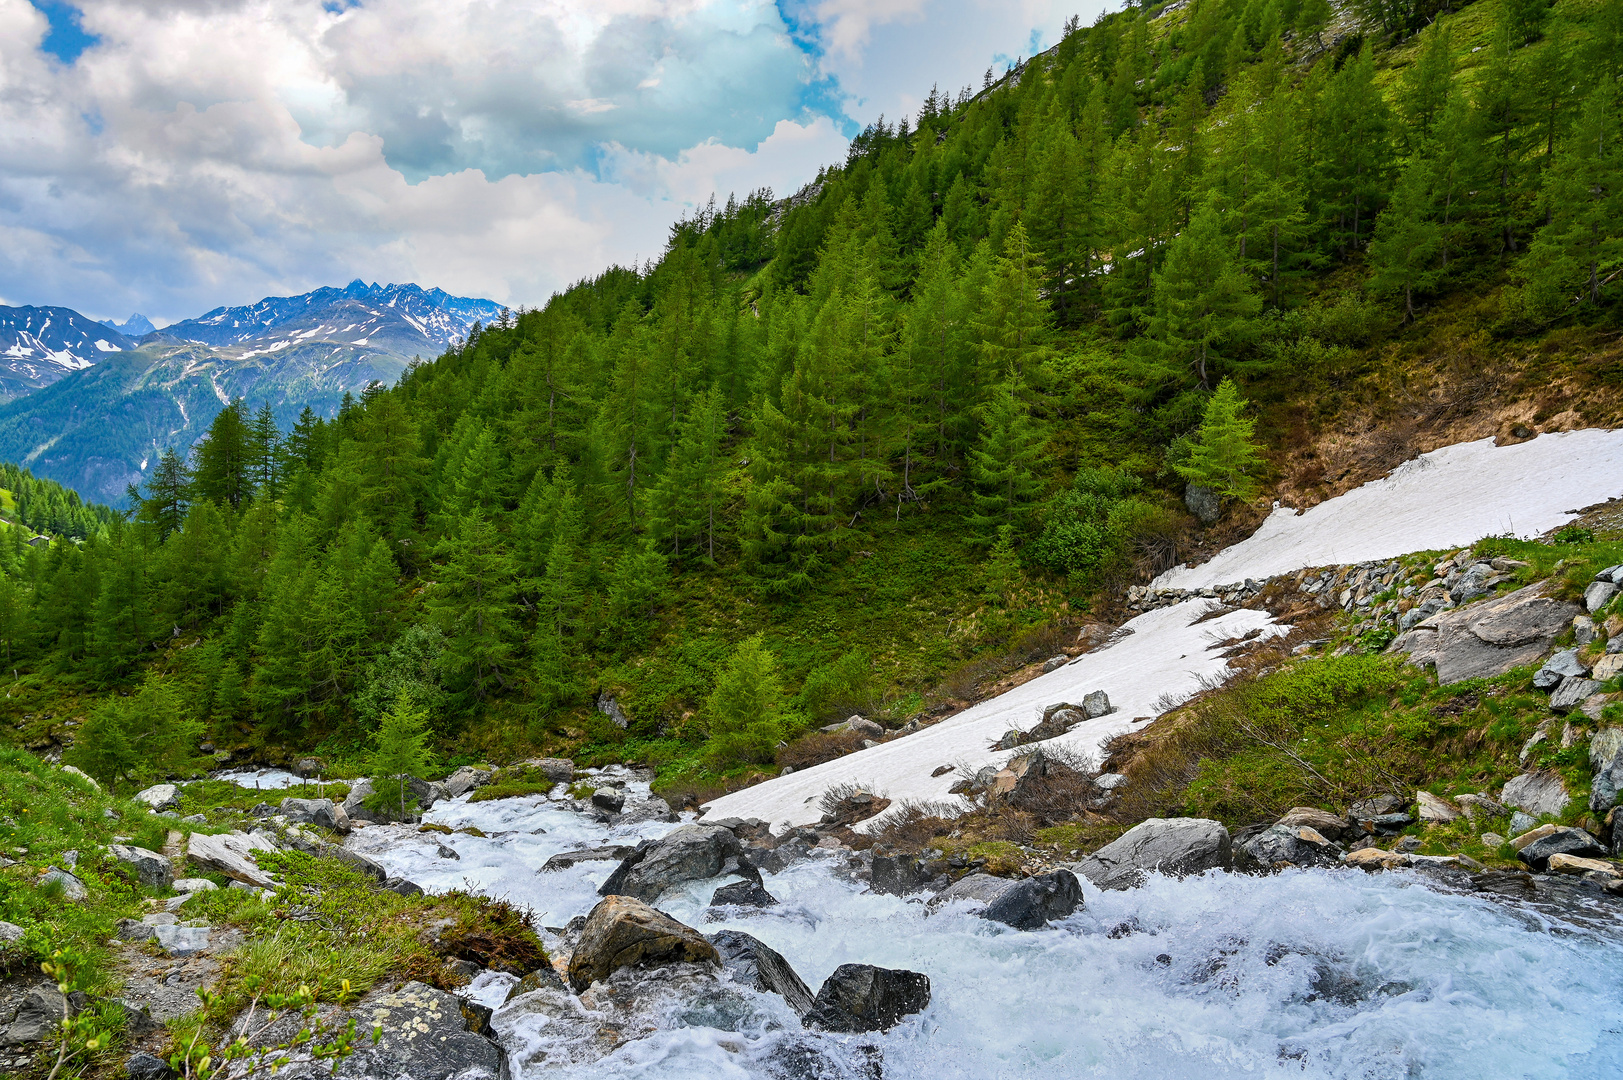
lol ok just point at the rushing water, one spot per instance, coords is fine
(1302, 974)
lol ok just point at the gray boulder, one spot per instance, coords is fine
(145, 1066)
(466, 779)
(1280, 846)
(1557, 668)
(754, 964)
(1606, 762)
(356, 861)
(861, 997)
(72, 887)
(1488, 638)
(622, 931)
(10, 934)
(159, 796)
(400, 886)
(322, 812)
(611, 799)
(1172, 846)
(1573, 691)
(1597, 595)
(1034, 902)
(607, 853)
(743, 894)
(1562, 841)
(147, 867)
(1096, 704)
(1539, 793)
(424, 1035)
(1203, 503)
(690, 853)
(424, 792)
(38, 1017)
(1025, 904)
(897, 875)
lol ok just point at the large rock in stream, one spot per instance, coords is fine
(622, 931)
(1489, 638)
(1027, 904)
(861, 997)
(1173, 846)
(691, 853)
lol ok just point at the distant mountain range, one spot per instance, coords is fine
(39, 345)
(135, 326)
(92, 407)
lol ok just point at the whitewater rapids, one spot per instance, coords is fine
(1317, 973)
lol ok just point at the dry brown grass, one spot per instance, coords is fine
(818, 747)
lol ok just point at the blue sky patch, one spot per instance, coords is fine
(66, 39)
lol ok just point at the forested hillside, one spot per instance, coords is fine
(932, 403)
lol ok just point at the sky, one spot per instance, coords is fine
(172, 156)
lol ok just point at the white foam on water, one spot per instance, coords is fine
(1447, 498)
(1322, 973)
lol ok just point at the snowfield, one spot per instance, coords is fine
(1448, 498)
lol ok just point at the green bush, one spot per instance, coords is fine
(1091, 527)
(835, 690)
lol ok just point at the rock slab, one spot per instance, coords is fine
(232, 854)
(753, 963)
(690, 853)
(1488, 638)
(1538, 793)
(147, 867)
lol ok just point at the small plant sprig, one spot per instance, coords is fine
(243, 1059)
(85, 1033)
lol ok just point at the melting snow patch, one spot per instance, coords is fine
(1445, 499)
(1167, 655)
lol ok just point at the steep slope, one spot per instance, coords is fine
(39, 345)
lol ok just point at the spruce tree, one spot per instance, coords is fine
(1224, 456)
(1203, 301)
(1403, 256)
(402, 753)
(473, 605)
(744, 709)
(1004, 463)
(1584, 196)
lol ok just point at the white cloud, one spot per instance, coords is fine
(210, 152)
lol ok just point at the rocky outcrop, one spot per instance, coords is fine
(1488, 638)
(622, 931)
(1172, 846)
(146, 867)
(424, 1036)
(861, 997)
(424, 792)
(690, 853)
(754, 964)
(39, 1016)
(1606, 762)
